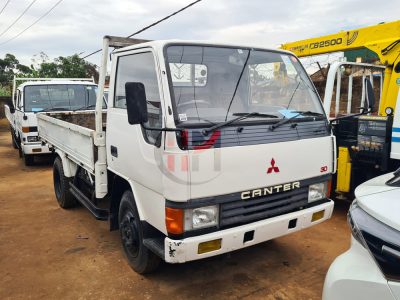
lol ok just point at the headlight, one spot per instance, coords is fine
(201, 217)
(317, 191)
(32, 139)
(382, 241)
(354, 230)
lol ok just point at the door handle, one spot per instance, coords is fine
(114, 151)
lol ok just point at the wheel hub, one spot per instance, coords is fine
(130, 234)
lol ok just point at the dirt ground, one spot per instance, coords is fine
(51, 253)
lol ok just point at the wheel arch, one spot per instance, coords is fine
(119, 186)
(68, 166)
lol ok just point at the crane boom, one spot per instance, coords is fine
(383, 39)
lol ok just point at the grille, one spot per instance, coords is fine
(260, 134)
(244, 211)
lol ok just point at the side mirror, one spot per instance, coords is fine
(136, 103)
(369, 104)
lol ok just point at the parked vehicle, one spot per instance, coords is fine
(370, 269)
(43, 94)
(205, 150)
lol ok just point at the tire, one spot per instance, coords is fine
(20, 153)
(141, 259)
(61, 186)
(13, 138)
(28, 159)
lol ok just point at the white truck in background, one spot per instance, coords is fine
(34, 95)
(206, 148)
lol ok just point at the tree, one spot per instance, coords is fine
(10, 66)
(62, 67)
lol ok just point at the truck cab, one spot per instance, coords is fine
(33, 96)
(207, 148)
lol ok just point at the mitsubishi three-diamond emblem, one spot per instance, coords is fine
(273, 167)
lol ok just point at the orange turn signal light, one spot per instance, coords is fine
(329, 189)
(25, 129)
(174, 220)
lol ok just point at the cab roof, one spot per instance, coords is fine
(55, 82)
(161, 43)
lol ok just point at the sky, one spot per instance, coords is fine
(77, 26)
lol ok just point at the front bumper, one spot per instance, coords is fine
(35, 148)
(355, 275)
(180, 251)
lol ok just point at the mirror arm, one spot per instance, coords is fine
(350, 116)
(161, 129)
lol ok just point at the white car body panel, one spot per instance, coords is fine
(384, 203)
(355, 275)
(395, 287)
(296, 155)
(374, 186)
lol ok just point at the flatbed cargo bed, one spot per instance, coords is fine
(73, 133)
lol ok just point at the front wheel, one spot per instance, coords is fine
(141, 259)
(28, 159)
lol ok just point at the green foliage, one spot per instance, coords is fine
(5, 91)
(62, 67)
(42, 67)
(10, 66)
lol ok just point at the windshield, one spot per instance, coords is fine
(216, 84)
(59, 96)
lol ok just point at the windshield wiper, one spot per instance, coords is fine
(254, 114)
(299, 113)
(308, 113)
(54, 109)
(241, 116)
(237, 83)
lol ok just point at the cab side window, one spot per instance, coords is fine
(140, 67)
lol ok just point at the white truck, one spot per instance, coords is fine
(43, 94)
(206, 148)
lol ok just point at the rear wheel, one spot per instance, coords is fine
(141, 259)
(61, 186)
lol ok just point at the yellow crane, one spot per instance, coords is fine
(365, 152)
(383, 39)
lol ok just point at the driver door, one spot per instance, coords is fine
(132, 152)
